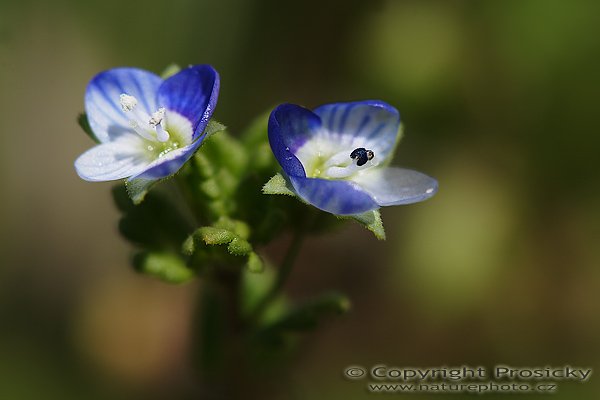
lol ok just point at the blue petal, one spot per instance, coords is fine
(395, 186)
(169, 163)
(102, 106)
(336, 197)
(371, 124)
(193, 93)
(114, 160)
(290, 126)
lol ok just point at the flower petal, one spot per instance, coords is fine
(113, 160)
(193, 93)
(394, 186)
(372, 124)
(290, 126)
(102, 96)
(336, 197)
(169, 163)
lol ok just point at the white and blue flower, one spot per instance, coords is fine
(336, 157)
(147, 127)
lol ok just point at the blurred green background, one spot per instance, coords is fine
(500, 104)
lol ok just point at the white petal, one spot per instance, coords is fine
(114, 160)
(393, 186)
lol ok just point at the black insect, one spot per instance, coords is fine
(362, 155)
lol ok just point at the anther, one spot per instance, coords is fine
(362, 155)
(128, 102)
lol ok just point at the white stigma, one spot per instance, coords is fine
(128, 102)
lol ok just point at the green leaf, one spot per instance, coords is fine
(164, 266)
(212, 235)
(238, 227)
(239, 247)
(255, 264)
(84, 123)
(213, 127)
(372, 221)
(307, 316)
(278, 185)
(157, 223)
(138, 188)
(170, 70)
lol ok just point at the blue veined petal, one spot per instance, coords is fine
(337, 197)
(193, 93)
(290, 126)
(114, 160)
(170, 162)
(372, 124)
(102, 99)
(394, 186)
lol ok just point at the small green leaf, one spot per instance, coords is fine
(165, 266)
(170, 70)
(239, 247)
(372, 221)
(212, 235)
(84, 123)
(238, 227)
(138, 188)
(255, 264)
(306, 316)
(213, 127)
(278, 185)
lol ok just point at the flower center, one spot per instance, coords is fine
(150, 127)
(328, 160)
(153, 128)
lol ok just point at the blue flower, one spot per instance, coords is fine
(147, 127)
(336, 157)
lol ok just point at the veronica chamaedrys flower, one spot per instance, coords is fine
(147, 127)
(336, 157)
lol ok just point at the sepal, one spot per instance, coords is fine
(372, 221)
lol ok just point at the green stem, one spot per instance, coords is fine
(282, 275)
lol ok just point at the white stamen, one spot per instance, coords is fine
(141, 131)
(156, 122)
(128, 102)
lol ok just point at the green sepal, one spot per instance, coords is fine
(372, 221)
(307, 316)
(213, 127)
(84, 123)
(165, 266)
(138, 188)
(278, 185)
(170, 70)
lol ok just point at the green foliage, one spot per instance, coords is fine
(278, 185)
(170, 70)
(84, 123)
(165, 266)
(157, 223)
(138, 188)
(372, 221)
(307, 316)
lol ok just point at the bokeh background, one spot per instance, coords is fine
(499, 101)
